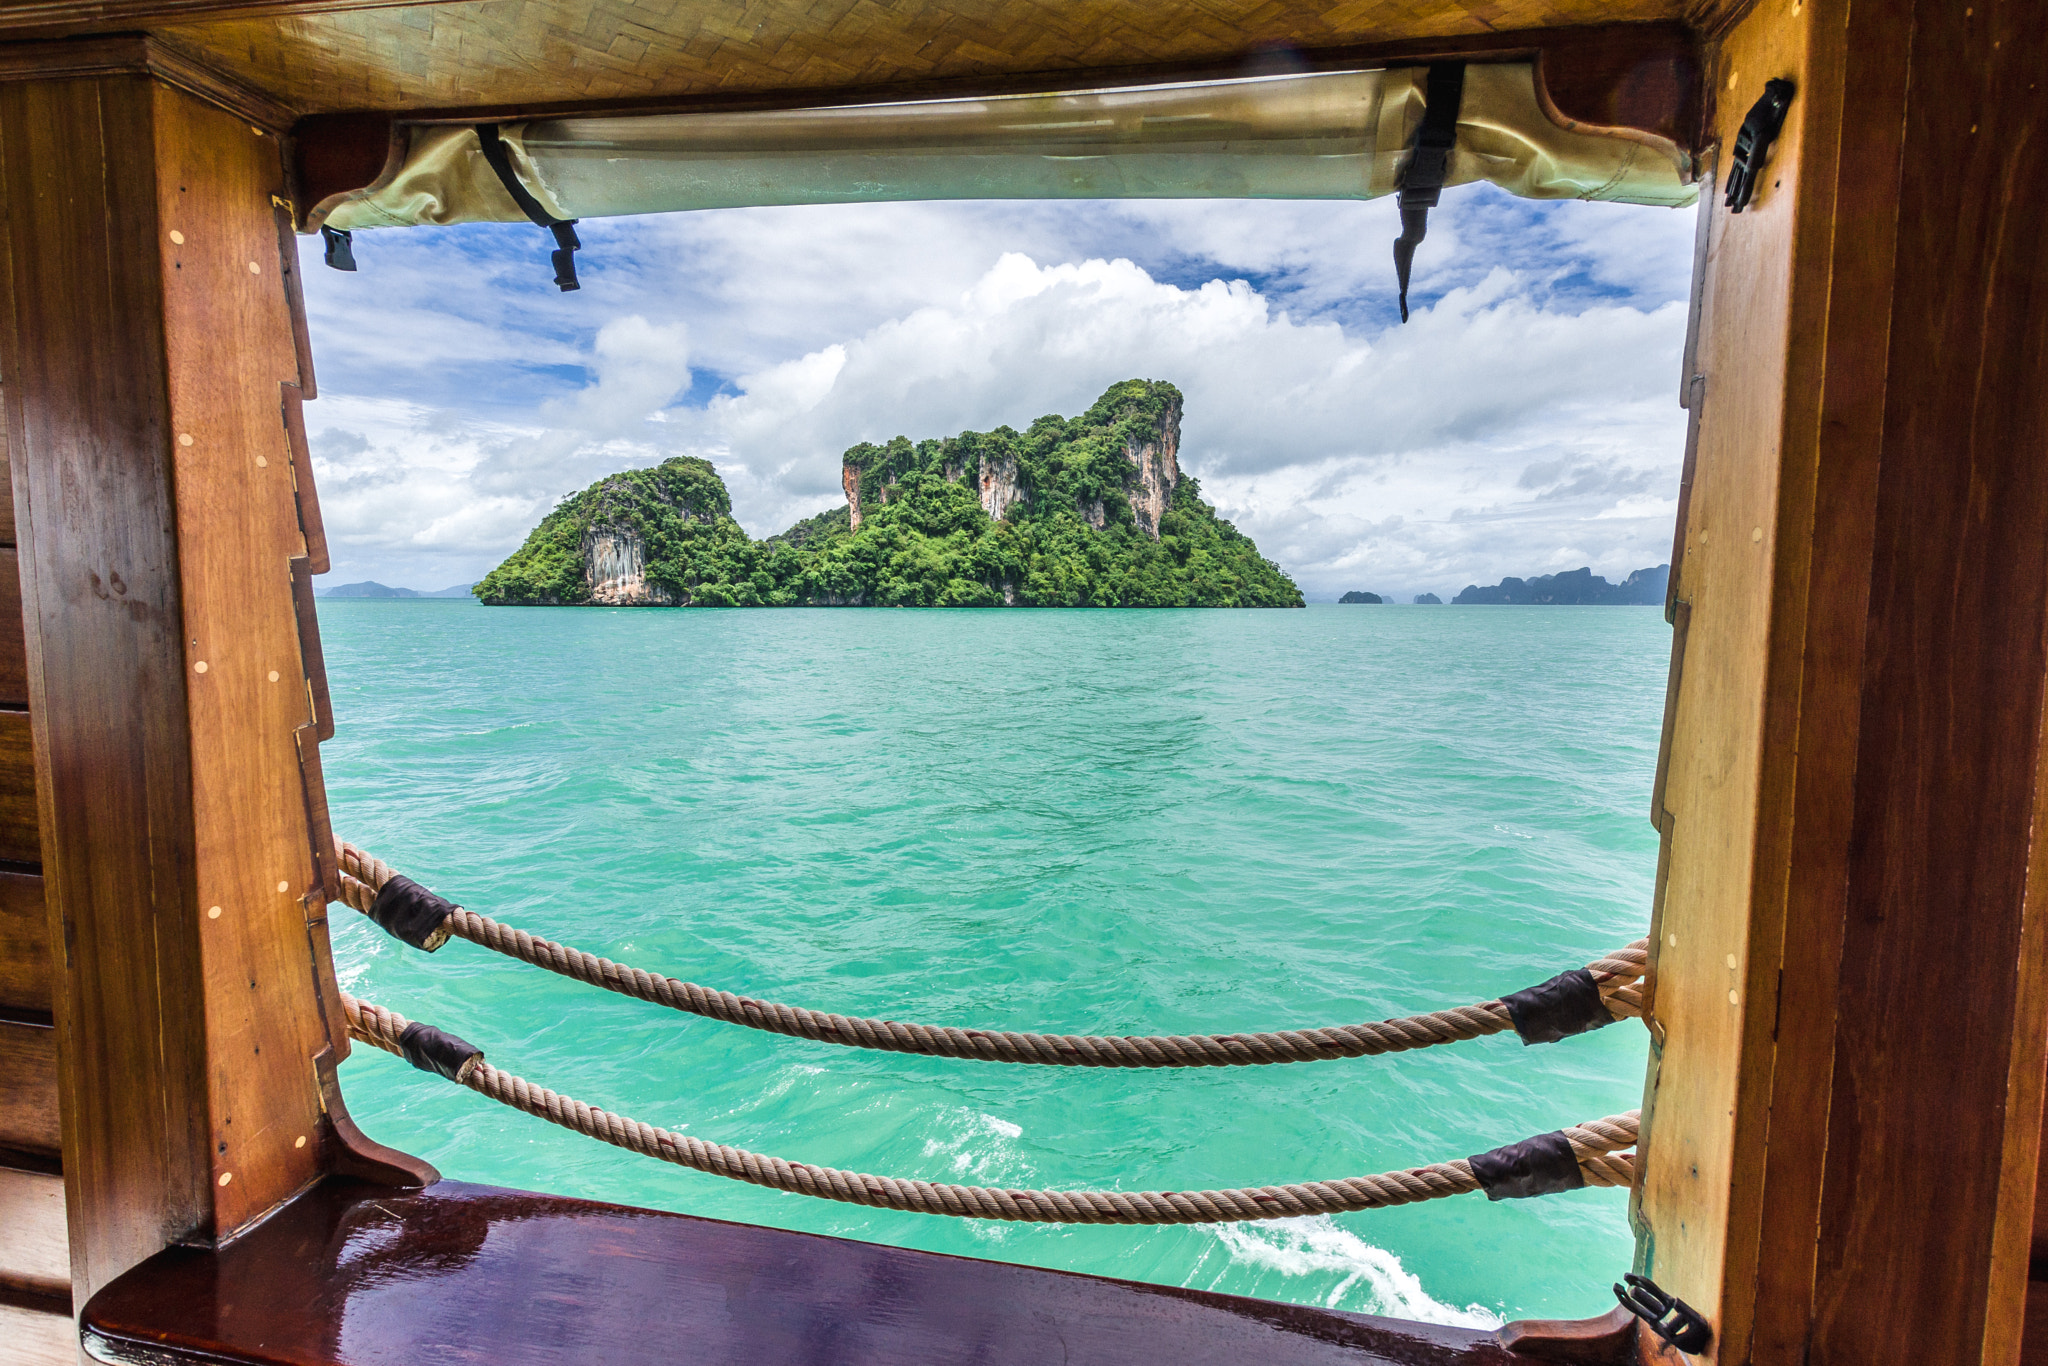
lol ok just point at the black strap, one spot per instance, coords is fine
(405, 910)
(1567, 1004)
(437, 1051)
(564, 229)
(1422, 180)
(1543, 1165)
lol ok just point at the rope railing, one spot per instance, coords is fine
(1603, 991)
(1590, 1154)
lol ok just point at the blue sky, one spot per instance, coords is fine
(1526, 421)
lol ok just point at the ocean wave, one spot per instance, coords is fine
(1317, 1246)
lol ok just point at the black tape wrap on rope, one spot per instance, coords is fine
(1543, 1165)
(438, 1051)
(405, 910)
(1567, 1004)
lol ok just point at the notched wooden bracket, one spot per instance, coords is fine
(294, 293)
(351, 1152)
(312, 660)
(292, 411)
(319, 827)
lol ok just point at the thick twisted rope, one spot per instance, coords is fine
(364, 875)
(1595, 1145)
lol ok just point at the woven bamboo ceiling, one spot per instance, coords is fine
(509, 53)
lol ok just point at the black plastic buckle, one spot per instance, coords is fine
(341, 253)
(1669, 1317)
(1760, 128)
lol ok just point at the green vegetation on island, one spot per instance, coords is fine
(1090, 511)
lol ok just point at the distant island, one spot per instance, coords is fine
(1090, 511)
(1428, 600)
(1573, 588)
(1369, 599)
(371, 589)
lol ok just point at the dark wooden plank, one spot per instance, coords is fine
(25, 967)
(1938, 1057)
(19, 838)
(82, 347)
(13, 647)
(6, 495)
(356, 1274)
(28, 1087)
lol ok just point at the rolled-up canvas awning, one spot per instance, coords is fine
(1339, 135)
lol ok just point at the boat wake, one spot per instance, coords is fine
(1318, 1246)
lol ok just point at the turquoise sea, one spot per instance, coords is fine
(1081, 821)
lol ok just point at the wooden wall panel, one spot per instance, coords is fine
(25, 969)
(238, 527)
(82, 347)
(37, 1339)
(1721, 752)
(35, 1256)
(28, 1088)
(20, 841)
(1852, 980)
(1941, 1035)
(13, 649)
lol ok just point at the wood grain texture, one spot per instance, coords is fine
(158, 519)
(81, 344)
(238, 534)
(20, 839)
(13, 647)
(1844, 1121)
(295, 298)
(526, 53)
(26, 972)
(6, 487)
(356, 1274)
(38, 1339)
(306, 497)
(142, 54)
(1940, 1034)
(28, 1088)
(1714, 990)
(35, 1251)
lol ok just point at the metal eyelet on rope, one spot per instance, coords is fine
(1571, 1003)
(1595, 1150)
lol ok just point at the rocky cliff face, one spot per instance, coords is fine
(849, 479)
(1156, 457)
(615, 566)
(1000, 489)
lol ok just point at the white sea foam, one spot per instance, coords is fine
(1317, 1246)
(983, 1150)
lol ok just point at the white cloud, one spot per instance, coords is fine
(1523, 422)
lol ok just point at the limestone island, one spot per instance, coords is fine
(1090, 511)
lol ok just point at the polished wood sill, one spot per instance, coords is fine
(359, 1275)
